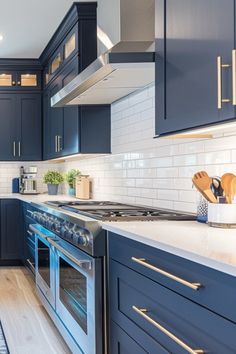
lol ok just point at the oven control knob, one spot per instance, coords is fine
(83, 238)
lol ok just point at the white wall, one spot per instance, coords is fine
(153, 172)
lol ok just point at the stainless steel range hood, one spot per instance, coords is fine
(125, 60)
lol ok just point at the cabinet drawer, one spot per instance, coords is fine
(178, 324)
(169, 270)
(122, 343)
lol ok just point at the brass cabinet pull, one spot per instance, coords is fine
(143, 312)
(142, 261)
(56, 144)
(59, 143)
(14, 148)
(234, 77)
(221, 66)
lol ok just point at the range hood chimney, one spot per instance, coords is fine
(125, 63)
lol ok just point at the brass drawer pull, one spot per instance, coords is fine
(221, 66)
(143, 312)
(142, 261)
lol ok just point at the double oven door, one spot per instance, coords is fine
(71, 281)
(44, 263)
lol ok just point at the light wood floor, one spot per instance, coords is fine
(27, 327)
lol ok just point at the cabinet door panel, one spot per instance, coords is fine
(8, 126)
(122, 343)
(71, 137)
(189, 36)
(194, 325)
(11, 233)
(53, 122)
(29, 105)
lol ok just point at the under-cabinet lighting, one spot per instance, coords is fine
(75, 157)
(206, 132)
(1, 37)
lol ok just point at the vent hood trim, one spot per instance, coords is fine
(85, 83)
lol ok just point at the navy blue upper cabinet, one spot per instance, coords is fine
(20, 80)
(20, 122)
(8, 129)
(190, 35)
(72, 130)
(20, 108)
(30, 120)
(53, 123)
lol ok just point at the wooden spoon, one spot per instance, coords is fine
(226, 180)
(203, 182)
(233, 188)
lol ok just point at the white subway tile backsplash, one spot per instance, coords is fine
(147, 171)
(211, 158)
(168, 194)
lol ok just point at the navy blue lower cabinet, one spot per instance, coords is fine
(28, 256)
(215, 285)
(122, 343)
(11, 230)
(174, 322)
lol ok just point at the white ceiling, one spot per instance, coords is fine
(27, 25)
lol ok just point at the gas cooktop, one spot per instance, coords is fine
(112, 211)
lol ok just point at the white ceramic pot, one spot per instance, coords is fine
(222, 214)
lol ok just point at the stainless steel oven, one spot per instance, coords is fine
(79, 302)
(71, 281)
(44, 262)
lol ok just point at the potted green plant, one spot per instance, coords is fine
(53, 179)
(70, 179)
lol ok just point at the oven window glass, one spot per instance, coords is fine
(44, 261)
(73, 293)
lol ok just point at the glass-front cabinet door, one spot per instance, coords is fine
(28, 80)
(70, 44)
(7, 79)
(56, 63)
(17, 80)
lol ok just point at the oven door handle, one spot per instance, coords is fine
(82, 263)
(41, 234)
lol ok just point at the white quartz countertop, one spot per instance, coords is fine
(212, 247)
(37, 198)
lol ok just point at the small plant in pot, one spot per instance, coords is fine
(53, 179)
(70, 179)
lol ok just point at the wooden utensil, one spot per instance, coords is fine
(233, 188)
(226, 180)
(203, 182)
